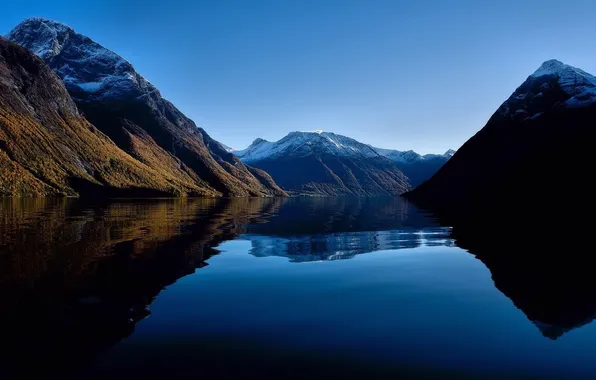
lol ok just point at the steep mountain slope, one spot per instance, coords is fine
(537, 145)
(131, 111)
(323, 163)
(418, 168)
(47, 148)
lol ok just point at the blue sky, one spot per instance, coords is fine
(421, 75)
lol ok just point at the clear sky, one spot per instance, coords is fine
(423, 75)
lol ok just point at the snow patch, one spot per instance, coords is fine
(318, 131)
(90, 86)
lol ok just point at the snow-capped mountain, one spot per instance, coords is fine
(343, 245)
(510, 162)
(132, 112)
(325, 163)
(306, 143)
(88, 70)
(409, 156)
(553, 82)
(418, 168)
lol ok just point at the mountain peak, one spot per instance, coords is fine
(42, 36)
(306, 143)
(550, 67)
(257, 141)
(57, 25)
(449, 153)
(554, 84)
(561, 70)
(71, 54)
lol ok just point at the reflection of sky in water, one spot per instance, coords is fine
(407, 294)
(337, 246)
(432, 307)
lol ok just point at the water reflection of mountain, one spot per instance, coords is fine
(545, 270)
(340, 228)
(338, 246)
(83, 274)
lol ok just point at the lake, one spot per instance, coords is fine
(283, 288)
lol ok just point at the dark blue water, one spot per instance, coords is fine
(270, 288)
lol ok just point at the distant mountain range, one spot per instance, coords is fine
(323, 163)
(330, 164)
(167, 153)
(418, 168)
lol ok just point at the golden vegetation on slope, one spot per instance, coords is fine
(72, 238)
(144, 149)
(156, 133)
(47, 148)
(16, 180)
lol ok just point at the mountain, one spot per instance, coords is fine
(537, 146)
(132, 112)
(323, 163)
(48, 149)
(418, 168)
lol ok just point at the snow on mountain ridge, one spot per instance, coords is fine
(558, 68)
(87, 68)
(330, 143)
(527, 102)
(304, 143)
(409, 156)
(49, 29)
(577, 83)
(553, 84)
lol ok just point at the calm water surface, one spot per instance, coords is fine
(271, 287)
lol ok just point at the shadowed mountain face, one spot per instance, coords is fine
(537, 145)
(131, 111)
(519, 194)
(47, 148)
